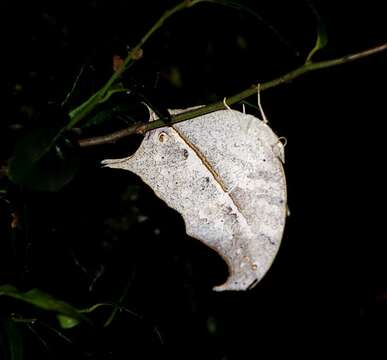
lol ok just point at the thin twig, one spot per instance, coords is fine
(112, 137)
(141, 128)
(71, 92)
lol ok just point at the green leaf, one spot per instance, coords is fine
(322, 36)
(46, 302)
(14, 341)
(67, 322)
(43, 160)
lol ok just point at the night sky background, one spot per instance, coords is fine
(105, 237)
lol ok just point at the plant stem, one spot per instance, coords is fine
(136, 53)
(141, 128)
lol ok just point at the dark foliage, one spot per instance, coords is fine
(88, 235)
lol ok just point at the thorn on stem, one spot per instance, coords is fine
(137, 54)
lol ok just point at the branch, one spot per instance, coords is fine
(112, 137)
(141, 128)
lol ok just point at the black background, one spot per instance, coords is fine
(332, 119)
